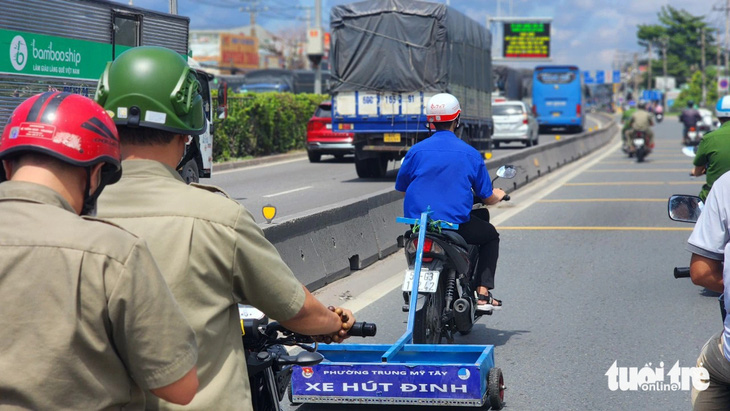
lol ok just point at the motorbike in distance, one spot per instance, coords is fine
(642, 145)
(447, 300)
(659, 117)
(268, 362)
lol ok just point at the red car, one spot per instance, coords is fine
(321, 139)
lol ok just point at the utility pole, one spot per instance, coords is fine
(173, 6)
(651, 55)
(727, 33)
(636, 77)
(665, 43)
(704, 87)
(318, 68)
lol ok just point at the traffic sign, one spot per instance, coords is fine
(600, 77)
(723, 84)
(587, 79)
(616, 76)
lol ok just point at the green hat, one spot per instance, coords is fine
(152, 87)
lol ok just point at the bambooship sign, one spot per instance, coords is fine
(50, 56)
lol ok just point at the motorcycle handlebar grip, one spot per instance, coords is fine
(362, 329)
(506, 197)
(681, 272)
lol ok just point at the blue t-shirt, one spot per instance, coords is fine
(441, 172)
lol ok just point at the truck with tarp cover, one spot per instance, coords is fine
(388, 58)
(64, 45)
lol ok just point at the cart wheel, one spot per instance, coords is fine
(495, 388)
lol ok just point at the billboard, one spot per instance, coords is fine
(526, 40)
(237, 50)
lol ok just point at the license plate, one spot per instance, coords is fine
(328, 126)
(427, 282)
(556, 114)
(638, 142)
(391, 137)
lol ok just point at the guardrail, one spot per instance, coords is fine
(325, 246)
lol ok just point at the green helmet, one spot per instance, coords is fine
(152, 87)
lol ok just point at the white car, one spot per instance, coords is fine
(513, 122)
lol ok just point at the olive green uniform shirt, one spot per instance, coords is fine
(713, 153)
(82, 307)
(213, 256)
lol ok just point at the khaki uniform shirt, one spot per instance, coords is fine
(213, 256)
(82, 307)
(641, 120)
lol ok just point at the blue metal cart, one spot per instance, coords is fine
(403, 373)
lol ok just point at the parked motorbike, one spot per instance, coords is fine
(447, 299)
(642, 145)
(268, 361)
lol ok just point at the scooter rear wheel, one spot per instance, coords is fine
(427, 324)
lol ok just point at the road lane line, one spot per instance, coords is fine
(246, 168)
(287, 192)
(650, 170)
(632, 183)
(587, 228)
(603, 200)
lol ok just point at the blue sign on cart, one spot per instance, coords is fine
(404, 384)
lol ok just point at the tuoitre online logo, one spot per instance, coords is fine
(18, 52)
(647, 378)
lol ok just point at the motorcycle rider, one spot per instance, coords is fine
(440, 172)
(640, 120)
(713, 153)
(210, 250)
(710, 268)
(87, 320)
(689, 118)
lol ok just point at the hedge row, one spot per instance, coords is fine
(260, 124)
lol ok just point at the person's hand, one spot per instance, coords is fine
(499, 193)
(347, 319)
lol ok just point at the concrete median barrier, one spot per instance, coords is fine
(329, 244)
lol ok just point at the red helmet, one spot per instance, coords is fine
(69, 127)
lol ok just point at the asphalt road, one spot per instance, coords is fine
(585, 273)
(297, 187)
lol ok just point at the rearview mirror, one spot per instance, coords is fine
(507, 171)
(222, 100)
(684, 208)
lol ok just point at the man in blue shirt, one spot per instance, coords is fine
(441, 172)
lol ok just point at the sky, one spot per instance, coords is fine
(591, 34)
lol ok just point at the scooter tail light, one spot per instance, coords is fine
(429, 247)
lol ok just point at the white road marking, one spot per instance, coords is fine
(287, 192)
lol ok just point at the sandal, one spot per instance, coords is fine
(491, 303)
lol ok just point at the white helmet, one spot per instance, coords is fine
(722, 109)
(442, 108)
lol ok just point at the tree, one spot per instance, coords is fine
(683, 30)
(694, 90)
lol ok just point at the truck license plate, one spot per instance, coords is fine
(427, 282)
(556, 114)
(391, 137)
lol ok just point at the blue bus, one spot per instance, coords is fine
(557, 97)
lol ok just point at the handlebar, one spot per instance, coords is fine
(681, 272)
(506, 197)
(362, 329)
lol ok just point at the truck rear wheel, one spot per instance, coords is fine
(362, 167)
(190, 172)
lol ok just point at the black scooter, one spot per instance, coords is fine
(269, 363)
(447, 300)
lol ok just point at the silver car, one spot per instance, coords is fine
(513, 121)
